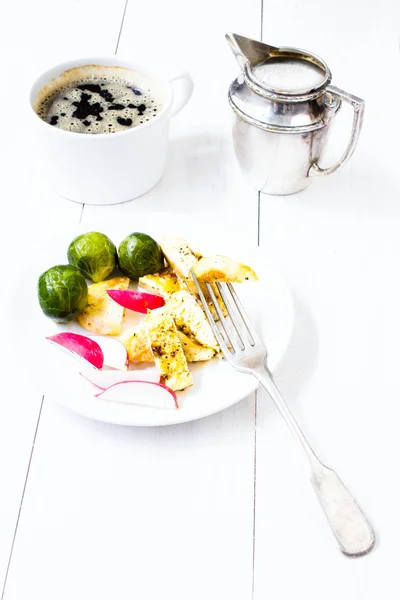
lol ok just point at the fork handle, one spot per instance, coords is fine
(349, 524)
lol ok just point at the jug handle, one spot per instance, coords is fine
(358, 107)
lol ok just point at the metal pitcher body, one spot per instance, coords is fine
(283, 105)
(274, 163)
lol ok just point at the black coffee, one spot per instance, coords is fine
(98, 99)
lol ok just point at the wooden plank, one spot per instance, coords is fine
(33, 36)
(155, 512)
(138, 512)
(337, 243)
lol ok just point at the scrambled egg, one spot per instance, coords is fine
(137, 344)
(102, 315)
(179, 255)
(193, 351)
(165, 282)
(167, 349)
(181, 258)
(190, 318)
(221, 268)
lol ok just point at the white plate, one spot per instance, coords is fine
(216, 384)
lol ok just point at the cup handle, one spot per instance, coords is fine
(358, 107)
(182, 85)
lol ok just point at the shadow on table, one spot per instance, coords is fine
(299, 363)
(362, 192)
(200, 170)
(232, 425)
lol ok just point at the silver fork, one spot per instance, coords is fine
(244, 350)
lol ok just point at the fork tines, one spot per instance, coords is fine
(234, 333)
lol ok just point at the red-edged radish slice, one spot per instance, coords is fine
(140, 302)
(115, 353)
(79, 346)
(141, 393)
(105, 379)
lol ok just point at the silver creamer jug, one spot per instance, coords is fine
(283, 106)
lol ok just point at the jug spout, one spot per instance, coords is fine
(245, 49)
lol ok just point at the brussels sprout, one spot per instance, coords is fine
(62, 293)
(93, 254)
(139, 254)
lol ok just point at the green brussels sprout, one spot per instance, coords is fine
(62, 293)
(93, 254)
(139, 254)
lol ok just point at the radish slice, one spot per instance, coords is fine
(138, 301)
(142, 393)
(115, 353)
(80, 346)
(105, 379)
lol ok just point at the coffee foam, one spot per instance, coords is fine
(99, 99)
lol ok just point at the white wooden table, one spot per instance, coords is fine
(222, 507)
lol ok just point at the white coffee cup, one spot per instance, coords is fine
(109, 168)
